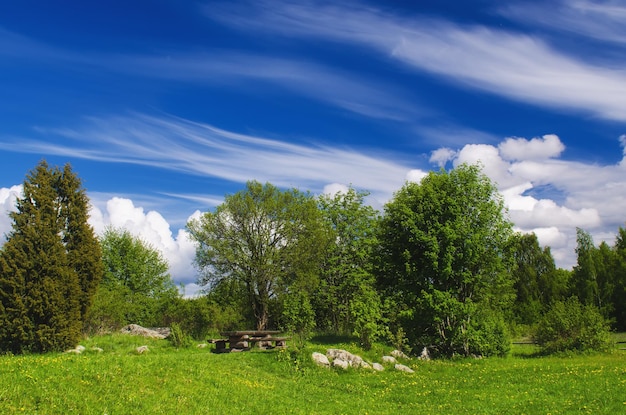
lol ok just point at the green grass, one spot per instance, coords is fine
(195, 381)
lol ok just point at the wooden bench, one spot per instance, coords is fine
(242, 340)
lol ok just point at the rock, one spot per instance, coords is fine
(398, 354)
(365, 365)
(97, 349)
(320, 359)
(137, 330)
(77, 350)
(352, 359)
(403, 368)
(341, 363)
(424, 355)
(142, 349)
(378, 367)
(389, 359)
(202, 346)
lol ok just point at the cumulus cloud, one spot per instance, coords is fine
(548, 146)
(178, 250)
(442, 156)
(151, 227)
(8, 197)
(582, 195)
(335, 188)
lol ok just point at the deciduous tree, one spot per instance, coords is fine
(443, 258)
(347, 301)
(264, 238)
(136, 285)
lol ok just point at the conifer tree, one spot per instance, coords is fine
(48, 265)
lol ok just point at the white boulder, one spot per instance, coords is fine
(320, 359)
(403, 368)
(389, 359)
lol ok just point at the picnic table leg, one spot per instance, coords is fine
(220, 346)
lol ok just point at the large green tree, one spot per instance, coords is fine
(538, 283)
(49, 266)
(136, 286)
(266, 239)
(346, 300)
(443, 259)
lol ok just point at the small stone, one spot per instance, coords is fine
(142, 349)
(202, 346)
(398, 354)
(378, 367)
(403, 368)
(389, 359)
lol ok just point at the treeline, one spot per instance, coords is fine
(440, 267)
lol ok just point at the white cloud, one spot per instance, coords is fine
(582, 195)
(176, 144)
(441, 156)
(598, 20)
(505, 63)
(8, 198)
(415, 175)
(335, 188)
(548, 146)
(178, 250)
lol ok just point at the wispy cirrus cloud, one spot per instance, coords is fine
(176, 144)
(352, 92)
(502, 62)
(600, 20)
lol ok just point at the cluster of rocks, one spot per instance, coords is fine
(344, 359)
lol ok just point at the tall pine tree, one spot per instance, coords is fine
(49, 266)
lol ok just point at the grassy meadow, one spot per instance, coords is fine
(195, 381)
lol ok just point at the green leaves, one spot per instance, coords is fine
(49, 266)
(264, 238)
(442, 242)
(136, 284)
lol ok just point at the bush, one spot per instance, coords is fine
(178, 338)
(572, 326)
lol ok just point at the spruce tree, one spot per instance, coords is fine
(48, 265)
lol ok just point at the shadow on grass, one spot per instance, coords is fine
(330, 339)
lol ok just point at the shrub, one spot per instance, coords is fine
(178, 338)
(572, 326)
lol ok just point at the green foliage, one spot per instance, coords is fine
(178, 337)
(599, 277)
(136, 287)
(619, 292)
(298, 315)
(443, 256)
(201, 317)
(366, 315)
(538, 282)
(572, 326)
(264, 239)
(346, 300)
(49, 266)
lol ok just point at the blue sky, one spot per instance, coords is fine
(162, 107)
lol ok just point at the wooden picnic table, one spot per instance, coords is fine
(242, 340)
